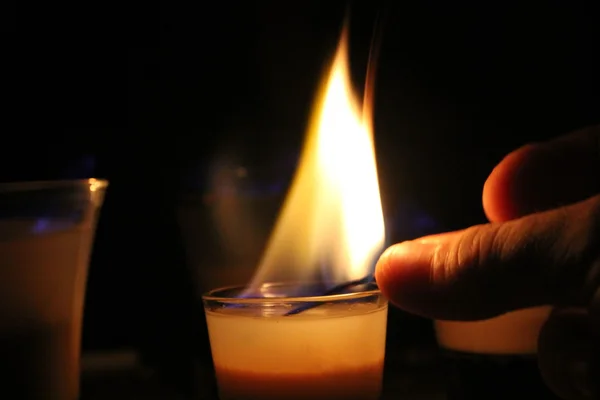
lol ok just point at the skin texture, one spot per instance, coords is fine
(542, 246)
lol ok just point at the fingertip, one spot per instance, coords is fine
(542, 176)
(403, 273)
(500, 196)
(382, 269)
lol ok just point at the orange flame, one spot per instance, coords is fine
(331, 226)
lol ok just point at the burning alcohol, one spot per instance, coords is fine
(277, 340)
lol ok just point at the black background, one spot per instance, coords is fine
(150, 95)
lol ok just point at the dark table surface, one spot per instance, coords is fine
(119, 375)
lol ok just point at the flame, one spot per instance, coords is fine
(331, 226)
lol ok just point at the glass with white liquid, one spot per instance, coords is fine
(46, 234)
(332, 351)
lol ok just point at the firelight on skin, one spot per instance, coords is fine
(330, 229)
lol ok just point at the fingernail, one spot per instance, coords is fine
(418, 250)
(384, 259)
(433, 239)
(409, 260)
(389, 252)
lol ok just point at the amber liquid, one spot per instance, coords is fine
(42, 285)
(350, 384)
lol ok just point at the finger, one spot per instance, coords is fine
(567, 354)
(543, 176)
(490, 269)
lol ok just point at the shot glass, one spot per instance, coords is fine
(46, 234)
(263, 348)
(495, 358)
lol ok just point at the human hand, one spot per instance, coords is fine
(541, 247)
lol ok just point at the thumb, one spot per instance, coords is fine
(487, 270)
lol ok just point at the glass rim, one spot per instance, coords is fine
(51, 184)
(212, 295)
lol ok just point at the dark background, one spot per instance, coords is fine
(153, 96)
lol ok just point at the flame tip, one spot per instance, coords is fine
(332, 214)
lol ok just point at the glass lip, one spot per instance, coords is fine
(212, 295)
(95, 184)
